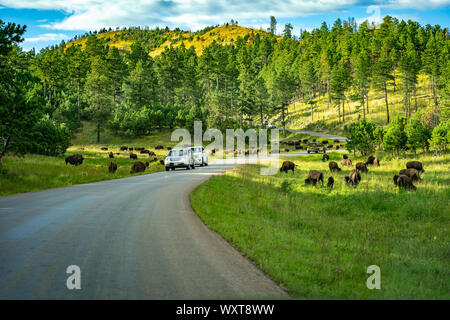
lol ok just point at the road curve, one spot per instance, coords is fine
(133, 238)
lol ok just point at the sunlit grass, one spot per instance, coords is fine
(318, 243)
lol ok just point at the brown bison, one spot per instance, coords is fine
(111, 155)
(415, 165)
(354, 178)
(333, 166)
(159, 147)
(133, 156)
(144, 151)
(123, 148)
(151, 154)
(75, 159)
(336, 140)
(412, 173)
(314, 177)
(131, 149)
(370, 160)
(361, 166)
(112, 167)
(138, 167)
(346, 162)
(284, 150)
(330, 183)
(147, 164)
(169, 148)
(305, 140)
(161, 162)
(344, 156)
(154, 160)
(104, 149)
(404, 182)
(298, 147)
(286, 166)
(325, 157)
(325, 142)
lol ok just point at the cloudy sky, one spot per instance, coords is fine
(50, 21)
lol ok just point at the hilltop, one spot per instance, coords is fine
(159, 39)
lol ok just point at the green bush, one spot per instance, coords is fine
(395, 138)
(440, 137)
(361, 137)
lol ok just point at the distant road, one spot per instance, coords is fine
(318, 134)
(133, 238)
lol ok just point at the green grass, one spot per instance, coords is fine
(36, 172)
(318, 243)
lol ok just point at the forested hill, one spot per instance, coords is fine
(240, 75)
(158, 39)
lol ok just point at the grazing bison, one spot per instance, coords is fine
(151, 154)
(330, 183)
(333, 166)
(130, 149)
(336, 140)
(305, 140)
(104, 149)
(138, 167)
(325, 157)
(361, 166)
(112, 167)
(325, 142)
(354, 178)
(159, 147)
(154, 160)
(286, 166)
(415, 165)
(298, 147)
(147, 164)
(314, 177)
(161, 162)
(139, 148)
(337, 147)
(346, 162)
(404, 182)
(111, 155)
(144, 151)
(123, 148)
(412, 173)
(344, 156)
(133, 156)
(75, 159)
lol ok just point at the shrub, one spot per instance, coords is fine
(395, 138)
(440, 137)
(361, 137)
(417, 133)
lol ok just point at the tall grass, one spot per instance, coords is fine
(318, 243)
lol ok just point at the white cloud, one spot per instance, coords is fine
(47, 37)
(193, 14)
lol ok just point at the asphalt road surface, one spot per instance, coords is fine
(133, 238)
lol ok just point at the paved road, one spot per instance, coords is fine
(133, 238)
(318, 134)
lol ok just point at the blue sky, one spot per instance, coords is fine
(50, 21)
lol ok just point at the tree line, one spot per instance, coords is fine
(254, 77)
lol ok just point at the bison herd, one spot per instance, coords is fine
(403, 180)
(297, 144)
(138, 166)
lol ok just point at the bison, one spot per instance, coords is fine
(138, 167)
(314, 176)
(144, 151)
(161, 162)
(346, 162)
(330, 183)
(333, 166)
(112, 167)
(151, 154)
(286, 166)
(123, 148)
(284, 150)
(75, 159)
(344, 156)
(111, 155)
(354, 178)
(361, 166)
(130, 149)
(325, 157)
(133, 156)
(415, 165)
(104, 148)
(404, 182)
(147, 164)
(159, 147)
(412, 173)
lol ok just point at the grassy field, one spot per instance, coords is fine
(318, 243)
(36, 172)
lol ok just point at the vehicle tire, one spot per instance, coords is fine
(206, 163)
(167, 168)
(193, 166)
(188, 167)
(173, 168)
(202, 164)
(308, 151)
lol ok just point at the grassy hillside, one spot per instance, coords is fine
(199, 40)
(318, 243)
(326, 115)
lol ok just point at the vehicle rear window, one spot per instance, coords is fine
(177, 153)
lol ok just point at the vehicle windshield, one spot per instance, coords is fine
(177, 153)
(196, 149)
